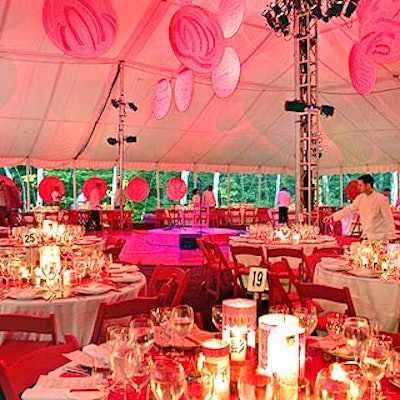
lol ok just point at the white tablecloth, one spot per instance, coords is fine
(75, 314)
(373, 298)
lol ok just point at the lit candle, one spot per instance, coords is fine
(239, 326)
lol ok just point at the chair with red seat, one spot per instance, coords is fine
(308, 291)
(23, 334)
(16, 377)
(244, 257)
(296, 254)
(278, 296)
(114, 245)
(120, 312)
(219, 272)
(169, 283)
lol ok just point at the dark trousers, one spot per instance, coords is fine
(283, 215)
(93, 223)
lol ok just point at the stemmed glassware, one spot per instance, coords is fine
(216, 316)
(137, 371)
(334, 327)
(308, 318)
(356, 333)
(141, 333)
(182, 321)
(375, 357)
(162, 334)
(167, 379)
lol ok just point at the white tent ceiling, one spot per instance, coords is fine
(55, 109)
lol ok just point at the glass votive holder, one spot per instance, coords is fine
(253, 385)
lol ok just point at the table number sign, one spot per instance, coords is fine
(257, 279)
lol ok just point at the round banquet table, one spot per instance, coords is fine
(75, 314)
(372, 297)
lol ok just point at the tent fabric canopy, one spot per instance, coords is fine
(55, 109)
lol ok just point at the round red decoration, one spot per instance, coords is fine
(184, 86)
(47, 185)
(7, 180)
(196, 38)
(138, 189)
(176, 189)
(162, 98)
(91, 183)
(230, 15)
(362, 69)
(226, 76)
(80, 28)
(352, 190)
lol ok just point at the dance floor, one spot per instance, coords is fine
(165, 246)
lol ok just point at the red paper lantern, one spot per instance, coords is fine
(47, 185)
(225, 76)
(176, 189)
(184, 86)
(362, 69)
(138, 189)
(352, 190)
(196, 38)
(80, 28)
(91, 183)
(231, 15)
(162, 98)
(7, 181)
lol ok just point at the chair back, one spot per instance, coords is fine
(293, 255)
(311, 291)
(114, 246)
(108, 312)
(334, 250)
(40, 324)
(176, 280)
(25, 371)
(277, 293)
(247, 255)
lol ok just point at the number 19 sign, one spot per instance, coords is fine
(257, 279)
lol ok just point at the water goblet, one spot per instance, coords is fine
(167, 379)
(308, 318)
(141, 332)
(334, 328)
(137, 371)
(356, 333)
(375, 358)
(216, 316)
(162, 334)
(182, 321)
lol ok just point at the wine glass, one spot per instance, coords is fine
(167, 379)
(137, 371)
(216, 316)
(356, 333)
(334, 328)
(141, 332)
(375, 358)
(160, 317)
(308, 318)
(182, 320)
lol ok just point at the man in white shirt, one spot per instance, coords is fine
(208, 198)
(283, 202)
(376, 216)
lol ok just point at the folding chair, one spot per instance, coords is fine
(120, 312)
(114, 245)
(296, 254)
(312, 291)
(171, 282)
(23, 334)
(244, 257)
(25, 371)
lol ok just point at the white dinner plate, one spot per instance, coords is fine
(364, 273)
(94, 288)
(326, 238)
(122, 269)
(333, 266)
(25, 294)
(126, 278)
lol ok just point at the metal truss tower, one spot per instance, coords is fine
(308, 141)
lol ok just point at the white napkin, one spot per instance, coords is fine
(100, 353)
(80, 358)
(38, 393)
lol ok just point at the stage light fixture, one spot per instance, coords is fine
(270, 20)
(132, 106)
(351, 7)
(130, 139)
(112, 141)
(295, 106)
(335, 9)
(115, 103)
(327, 110)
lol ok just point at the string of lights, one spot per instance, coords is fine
(279, 14)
